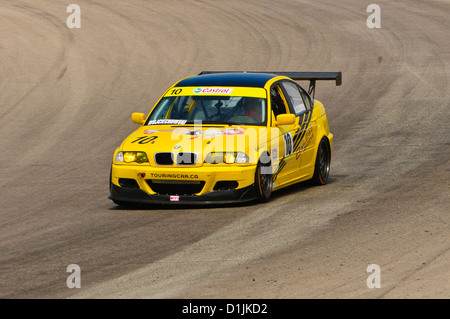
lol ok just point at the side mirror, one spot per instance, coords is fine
(285, 119)
(138, 118)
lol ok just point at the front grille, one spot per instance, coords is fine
(164, 158)
(182, 158)
(175, 187)
(185, 158)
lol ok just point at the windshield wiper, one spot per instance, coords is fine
(210, 122)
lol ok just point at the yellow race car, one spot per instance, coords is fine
(222, 137)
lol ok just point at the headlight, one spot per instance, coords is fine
(130, 157)
(119, 157)
(226, 157)
(241, 158)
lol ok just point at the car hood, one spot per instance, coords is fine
(199, 139)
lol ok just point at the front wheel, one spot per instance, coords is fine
(263, 179)
(322, 166)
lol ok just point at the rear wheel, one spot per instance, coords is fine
(322, 166)
(263, 179)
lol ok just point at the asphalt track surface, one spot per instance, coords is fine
(66, 96)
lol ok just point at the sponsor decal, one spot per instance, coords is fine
(274, 154)
(306, 141)
(156, 122)
(141, 174)
(288, 144)
(145, 139)
(174, 175)
(217, 132)
(174, 198)
(206, 134)
(233, 131)
(298, 153)
(212, 90)
(213, 132)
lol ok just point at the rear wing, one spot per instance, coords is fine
(312, 77)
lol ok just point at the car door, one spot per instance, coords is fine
(300, 104)
(286, 163)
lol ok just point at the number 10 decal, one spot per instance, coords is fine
(288, 144)
(145, 139)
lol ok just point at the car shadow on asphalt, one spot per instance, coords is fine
(279, 194)
(137, 206)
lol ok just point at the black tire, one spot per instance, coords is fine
(263, 179)
(322, 165)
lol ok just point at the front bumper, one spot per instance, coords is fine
(209, 176)
(125, 195)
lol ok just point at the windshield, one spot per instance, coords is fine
(209, 109)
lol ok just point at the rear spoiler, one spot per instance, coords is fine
(312, 77)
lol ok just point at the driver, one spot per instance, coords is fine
(253, 109)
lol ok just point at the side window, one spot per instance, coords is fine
(306, 99)
(295, 98)
(277, 101)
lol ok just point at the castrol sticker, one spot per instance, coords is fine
(212, 90)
